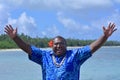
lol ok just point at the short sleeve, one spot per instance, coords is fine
(84, 53)
(36, 55)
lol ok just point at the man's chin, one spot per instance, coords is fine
(58, 54)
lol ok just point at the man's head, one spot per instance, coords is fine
(59, 46)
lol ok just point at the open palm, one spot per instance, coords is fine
(109, 30)
(10, 31)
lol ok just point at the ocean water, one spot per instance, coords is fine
(103, 65)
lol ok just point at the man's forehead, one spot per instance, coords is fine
(58, 39)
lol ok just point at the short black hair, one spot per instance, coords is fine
(60, 38)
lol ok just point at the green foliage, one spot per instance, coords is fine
(6, 42)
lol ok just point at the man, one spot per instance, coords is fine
(60, 64)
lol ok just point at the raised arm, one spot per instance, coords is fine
(107, 33)
(12, 33)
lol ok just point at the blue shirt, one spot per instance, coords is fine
(70, 68)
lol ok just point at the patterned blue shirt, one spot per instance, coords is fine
(70, 68)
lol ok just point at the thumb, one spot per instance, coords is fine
(16, 29)
(104, 28)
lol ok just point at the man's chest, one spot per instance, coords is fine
(66, 64)
(68, 68)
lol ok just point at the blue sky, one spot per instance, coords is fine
(79, 19)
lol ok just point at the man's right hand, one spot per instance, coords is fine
(13, 35)
(10, 31)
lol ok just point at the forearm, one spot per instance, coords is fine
(24, 46)
(98, 43)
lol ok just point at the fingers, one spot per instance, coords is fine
(110, 29)
(114, 30)
(8, 28)
(111, 26)
(104, 28)
(16, 29)
(11, 27)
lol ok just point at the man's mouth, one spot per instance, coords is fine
(59, 50)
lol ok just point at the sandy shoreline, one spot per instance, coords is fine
(48, 48)
(10, 50)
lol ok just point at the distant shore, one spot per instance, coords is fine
(18, 49)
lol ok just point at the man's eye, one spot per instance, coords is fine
(62, 43)
(59, 43)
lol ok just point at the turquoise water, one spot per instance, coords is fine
(103, 65)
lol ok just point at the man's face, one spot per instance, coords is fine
(59, 46)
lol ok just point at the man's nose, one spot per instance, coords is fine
(58, 45)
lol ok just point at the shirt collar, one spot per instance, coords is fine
(51, 52)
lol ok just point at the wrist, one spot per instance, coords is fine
(105, 36)
(15, 37)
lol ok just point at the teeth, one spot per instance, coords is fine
(59, 49)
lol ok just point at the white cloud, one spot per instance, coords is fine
(114, 18)
(3, 17)
(25, 24)
(67, 22)
(93, 30)
(59, 4)
(83, 9)
(50, 31)
(3, 14)
(71, 24)
(74, 29)
(84, 4)
(12, 3)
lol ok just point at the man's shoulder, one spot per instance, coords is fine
(78, 49)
